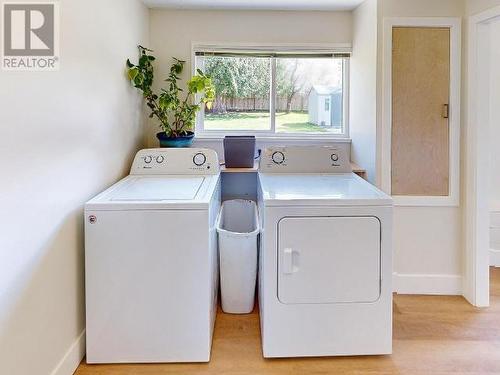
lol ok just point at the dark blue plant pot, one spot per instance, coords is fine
(182, 141)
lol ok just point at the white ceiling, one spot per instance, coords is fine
(256, 4)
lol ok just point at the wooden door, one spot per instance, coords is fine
(420, 108)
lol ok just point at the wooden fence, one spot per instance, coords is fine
(299, 103)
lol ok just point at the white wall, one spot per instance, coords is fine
(64, 136)
(174, 31)
(428, 241)
(494, 34)
(476, 6)
(363, 88)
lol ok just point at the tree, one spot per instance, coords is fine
(254, 78)
(223, 75)
(288, 80)
(237, 78)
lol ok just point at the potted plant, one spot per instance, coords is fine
(176, 115)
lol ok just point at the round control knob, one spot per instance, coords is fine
(278, 157)
(160, 159)
(199, 159)
(335, 157)
(148, 159)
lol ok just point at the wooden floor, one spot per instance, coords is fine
(432, 335)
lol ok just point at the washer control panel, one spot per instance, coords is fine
(180, 161)
(199, 159)
(305, 159)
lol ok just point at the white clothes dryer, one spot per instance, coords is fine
(325, 265)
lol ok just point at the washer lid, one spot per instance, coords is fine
(320, 189)
(157, 192)
(158, 189)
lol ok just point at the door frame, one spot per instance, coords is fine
(476, 218)
(454, 23)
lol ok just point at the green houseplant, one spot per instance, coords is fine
(176, 115)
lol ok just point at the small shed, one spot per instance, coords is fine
(325, 106)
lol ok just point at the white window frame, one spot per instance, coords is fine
(201, 132)
(454, 24)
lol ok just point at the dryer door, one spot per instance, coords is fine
(328, 259)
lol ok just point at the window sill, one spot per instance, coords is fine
(299, 138)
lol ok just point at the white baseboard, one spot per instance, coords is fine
(427, 284)
(70, 361)
(494, 257)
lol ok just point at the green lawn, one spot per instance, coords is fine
(293, 122)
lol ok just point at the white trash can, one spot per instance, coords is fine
(238, 229)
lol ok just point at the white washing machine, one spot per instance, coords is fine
(151, 270)
(325, 263)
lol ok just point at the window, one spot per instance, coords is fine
(275, 93)
(243, 88)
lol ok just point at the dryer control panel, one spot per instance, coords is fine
(175, 161)
(305, 159)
